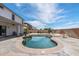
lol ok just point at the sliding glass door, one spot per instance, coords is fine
(2, 30)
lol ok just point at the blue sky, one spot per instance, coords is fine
(55, 16)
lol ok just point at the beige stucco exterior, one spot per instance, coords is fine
(15, 25)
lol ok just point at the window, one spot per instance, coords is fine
(1, 7)
(2, 30)
(22, 21)
(13, 17)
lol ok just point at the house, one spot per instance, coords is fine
(10, 22)
(29, 26)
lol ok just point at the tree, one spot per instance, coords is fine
(49, 30)
(26, 30)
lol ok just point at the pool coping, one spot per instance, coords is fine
(56, 49)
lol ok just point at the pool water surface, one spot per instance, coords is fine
(39, 42)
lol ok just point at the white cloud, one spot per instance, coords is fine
(48, 13)
(60, 11)
(69, 25)
(18, 4)
(37, 24)
(73, 24)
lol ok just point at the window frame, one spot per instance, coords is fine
(13, 16)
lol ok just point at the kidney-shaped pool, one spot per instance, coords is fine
(39, 42)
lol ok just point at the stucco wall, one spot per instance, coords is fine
(7, 15)
(9, 28)
(18, 20)
(5, 12)
(70, 32)
(19, 29)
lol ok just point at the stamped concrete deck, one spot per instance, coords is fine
(9, 48)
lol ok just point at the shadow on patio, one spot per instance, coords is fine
(7, 38)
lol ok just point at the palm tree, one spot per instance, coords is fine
(49, 30)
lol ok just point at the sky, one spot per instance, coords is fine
(48, 15)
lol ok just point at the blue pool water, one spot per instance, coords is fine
(39, 42)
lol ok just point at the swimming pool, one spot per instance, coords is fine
(39, 42)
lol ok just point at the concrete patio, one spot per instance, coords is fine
(9, 48)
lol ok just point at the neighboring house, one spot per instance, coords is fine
(10, 22)
(29, 26)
